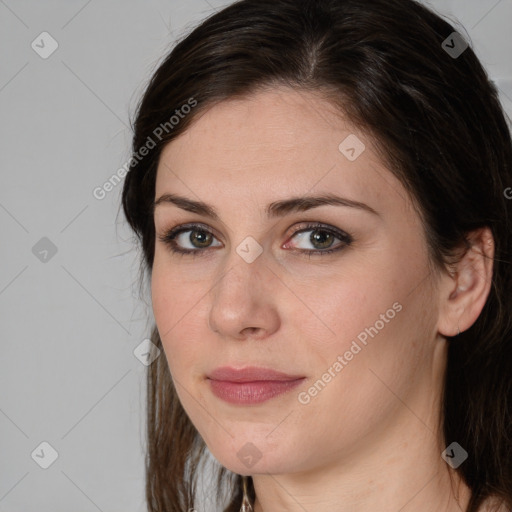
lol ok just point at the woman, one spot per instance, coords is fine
(319, 190)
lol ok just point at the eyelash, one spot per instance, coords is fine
(168, 239)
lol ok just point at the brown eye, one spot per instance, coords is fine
(201, 238)
(196, 242)
(324, 239)
(321, 238)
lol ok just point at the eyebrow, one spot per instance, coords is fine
(275, 209)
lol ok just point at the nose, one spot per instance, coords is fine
(243, 300)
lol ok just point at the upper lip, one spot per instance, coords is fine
(250, 374)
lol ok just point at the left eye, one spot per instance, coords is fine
(320, 238)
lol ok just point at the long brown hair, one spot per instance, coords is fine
(439, 125)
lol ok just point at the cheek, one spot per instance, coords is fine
(381, 352)
(169, 302)
(171, 294)
(178, 304)
(162, 297)
(378, 311)
(354, 299)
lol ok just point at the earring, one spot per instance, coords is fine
(246, 504)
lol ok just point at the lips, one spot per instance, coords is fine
(251, 385)
(250, 374)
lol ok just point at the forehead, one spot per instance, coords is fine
(275, 143)
(275, 123)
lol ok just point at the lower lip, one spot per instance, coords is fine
(251, 392)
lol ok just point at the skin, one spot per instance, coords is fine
(370, 439)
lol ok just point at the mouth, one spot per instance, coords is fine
(251, 385)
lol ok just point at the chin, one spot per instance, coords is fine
(249, 455)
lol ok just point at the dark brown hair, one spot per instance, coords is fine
(438, 124)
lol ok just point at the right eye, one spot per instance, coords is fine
(199, 239)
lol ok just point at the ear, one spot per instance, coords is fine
(464, 291)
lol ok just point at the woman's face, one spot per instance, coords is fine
(356, 327)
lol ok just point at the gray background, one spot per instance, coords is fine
(70, 321)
